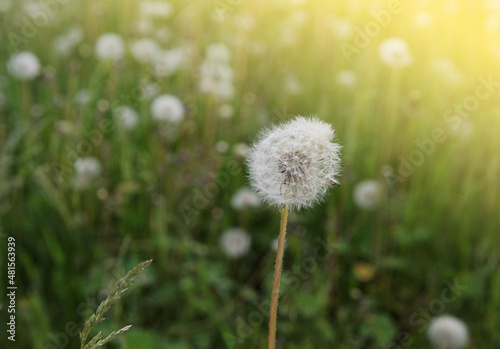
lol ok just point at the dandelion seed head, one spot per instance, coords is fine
(24, 66)
(88, 167)
(110, 46)
(144, 50)
(368, 194)
(235, 242)
(394, 52)
(448, 332)
(167, 108)
(244, 198)
(295, 163)
(126, 117)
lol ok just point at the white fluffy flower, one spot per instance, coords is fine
(110, 46)
(394, 52)
(244, 198)
(144, 50)
(235, 242)
(126, 117)
(88, 167)
(65, 43)
(368, 194)
(168, 62)
(167, 107)
(24, 66)
(448, 332)
(295, 163)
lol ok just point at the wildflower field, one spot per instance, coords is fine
(125, 132)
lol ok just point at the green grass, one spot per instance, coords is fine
(437, 226)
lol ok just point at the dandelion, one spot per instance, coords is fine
(292, 166)
(448, 332)
(168, 62)
(87, 169)
(144, 50)
(244, 198)
(394, 52)
(216, 74)
(346, 78)
(368, 194)
(168, 108)
(65, 43)
(221, 147)
(24, 66)
(110, 46)
(126, 117)
(235, 242)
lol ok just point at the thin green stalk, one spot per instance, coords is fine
(277, 278)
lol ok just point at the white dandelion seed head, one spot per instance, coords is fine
(235, 242)
(295, 163)
(241, 150)
(394, 52)
(126, 117)
(368, 194)
(221, 147)
(88, 167)
(168, 62)
(144, 50)
(346, 78)
(448, 332)
(110, 46)
(167, 108)
(24, 66)
(244, 198)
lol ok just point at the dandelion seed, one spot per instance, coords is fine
(235, 242)
(294, 164)
(24, 66)
(448, 332)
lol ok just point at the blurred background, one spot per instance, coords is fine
(124, 127)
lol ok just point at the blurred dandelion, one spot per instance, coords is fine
(144, 50)
(127, 117)
(235, 242)
(448, 332)
(368, 194)
(394, 52)
(244, 198)
(167, 108)
(110, 46)
(24, 66)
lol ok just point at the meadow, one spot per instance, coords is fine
(124, 131)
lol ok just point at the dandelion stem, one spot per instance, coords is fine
(277, 277)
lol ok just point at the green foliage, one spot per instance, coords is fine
(120, 287)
